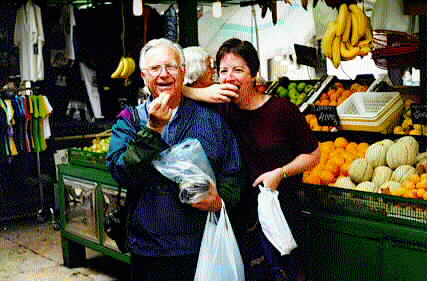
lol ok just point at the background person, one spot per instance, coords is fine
(276, 145)
(164, 235)
(199, 66)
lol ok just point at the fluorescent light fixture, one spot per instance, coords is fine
(216, 9)
(138, 7)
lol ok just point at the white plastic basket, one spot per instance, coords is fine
(367, 105)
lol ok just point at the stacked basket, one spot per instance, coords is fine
(371, 111)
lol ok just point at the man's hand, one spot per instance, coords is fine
(221, 93)
(159, 113)
(212, 203)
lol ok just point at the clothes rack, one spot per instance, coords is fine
(42, 213)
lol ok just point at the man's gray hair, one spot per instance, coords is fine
(162, 42)
(196, 66)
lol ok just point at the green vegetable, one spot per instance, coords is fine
(292, 85)
(308, 88)
(282, 92)
(301, 86)
(293, 93)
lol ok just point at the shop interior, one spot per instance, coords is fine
(374, 235)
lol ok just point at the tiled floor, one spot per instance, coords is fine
(30, 251)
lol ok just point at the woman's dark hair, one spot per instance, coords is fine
(245, 49)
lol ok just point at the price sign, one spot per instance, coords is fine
(419, 113)
(326, 115)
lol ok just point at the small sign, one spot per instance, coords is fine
(326, 115)
(419, 113)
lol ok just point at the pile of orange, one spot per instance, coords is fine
(338, 94)
(415, 186)
(335, 160)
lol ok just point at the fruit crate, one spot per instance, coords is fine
(381, 207)
(286, 83)
(89, 159)
(331, 81)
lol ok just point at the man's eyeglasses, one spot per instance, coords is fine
(156, 69)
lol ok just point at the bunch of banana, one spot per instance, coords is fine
(125, 68)
(350, 35)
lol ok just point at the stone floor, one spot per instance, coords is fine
(30, 251)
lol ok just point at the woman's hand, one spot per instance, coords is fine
(159, 113)
(270, 179)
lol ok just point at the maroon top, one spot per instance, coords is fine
(270, 136)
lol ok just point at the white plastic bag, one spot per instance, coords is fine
(273, 222)
(186, 164)
(219, 256)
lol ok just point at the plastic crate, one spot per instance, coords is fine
(376, 206)
(384, 124)
(89, 159)
(367, 105)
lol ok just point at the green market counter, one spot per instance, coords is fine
(341, 244)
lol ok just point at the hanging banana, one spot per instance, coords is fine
(116, 74)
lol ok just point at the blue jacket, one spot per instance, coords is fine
(160, 225)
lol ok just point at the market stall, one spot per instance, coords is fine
(362, 223)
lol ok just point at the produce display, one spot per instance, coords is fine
(314, 124)
(125, 68)
(407, 126)
(350, 35)
(387, 166)
(296, 92)
(91, 156)
(338, 93)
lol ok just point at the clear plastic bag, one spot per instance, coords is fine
(186, 164)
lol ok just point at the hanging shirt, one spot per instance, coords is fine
(89, 77)
(29, 37)
(68, 21)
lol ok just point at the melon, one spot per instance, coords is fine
(385, 142)
(389, 187)
(376, 155)
(344, 182)
(360, 170)
(366, 186)
(402, 173)
(411, 140)
(401, 153)
(381, 175)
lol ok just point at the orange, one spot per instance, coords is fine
(344, 169)
(363, 146)
(425, 196)
(420, 193)
(414, 178)
(312, 179)
(352, 146)
(341, 142)
(326, 177)
(408, 185)
(339, 160)
(332, 167)
(421, 184)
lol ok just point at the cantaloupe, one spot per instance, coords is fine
(401, 153)
(411, 140)
(389, 187)
(402, 173)
(376, 155)
(360, 170)
(381, 175)
(385, 142)
(366, 186)
(344, 182)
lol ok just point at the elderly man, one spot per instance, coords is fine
(199, 69)
(164, 235)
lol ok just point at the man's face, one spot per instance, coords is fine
(163, 73)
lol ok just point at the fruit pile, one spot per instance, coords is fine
(98, 145)
(338, 93)
(295, 92)
(350, 35)
(335, 160)
(407, 126)
(388, 167)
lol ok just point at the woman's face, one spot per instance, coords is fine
(233, 69)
